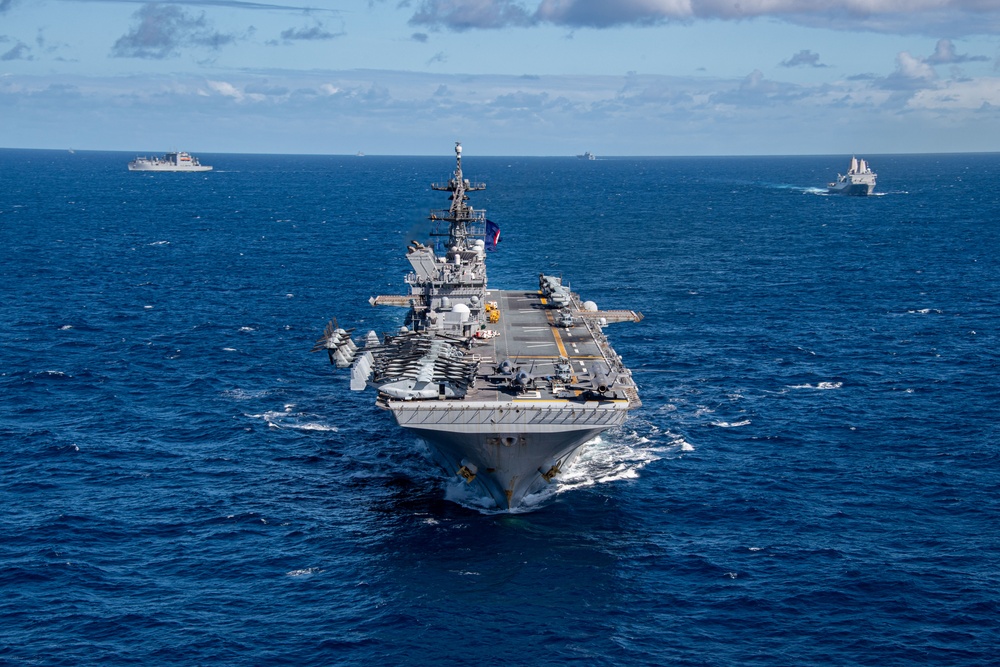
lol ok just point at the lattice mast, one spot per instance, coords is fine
(464, 222)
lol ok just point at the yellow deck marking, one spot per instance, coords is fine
(559, 343)
(549, 356)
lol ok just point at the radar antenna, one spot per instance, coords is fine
(463, 220)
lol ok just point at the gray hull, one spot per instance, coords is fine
(853, 189)
(167, 167)
(508, 450)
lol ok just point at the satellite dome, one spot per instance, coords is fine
(590, 306)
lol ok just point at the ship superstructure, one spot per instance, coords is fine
(859, 180)
(504, 385)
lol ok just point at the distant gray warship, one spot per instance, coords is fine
(176, 161)
(859, 180)
(505, 385)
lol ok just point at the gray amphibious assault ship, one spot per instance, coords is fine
(505, 385)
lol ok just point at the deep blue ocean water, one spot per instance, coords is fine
(813, 478)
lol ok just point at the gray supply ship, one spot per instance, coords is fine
(859, 180)
(177, 161)
(505, 386)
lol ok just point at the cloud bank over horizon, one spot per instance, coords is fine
(407, 113)
(637, 77)
(930, 17)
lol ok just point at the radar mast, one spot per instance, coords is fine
(463, 220)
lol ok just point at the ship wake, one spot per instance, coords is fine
(616, 455)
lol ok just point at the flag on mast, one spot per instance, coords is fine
(492, 235)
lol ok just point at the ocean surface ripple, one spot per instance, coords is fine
(813, 478)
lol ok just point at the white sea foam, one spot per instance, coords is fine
(616, 455)
(467, 495)
(619, 455)
(818, 385)
(65, 327)
(160, 243)
(316, 427)
(286, 419)
(600, 462)
(245, 394)
(247, 329)
(743, 422)
(304, 572)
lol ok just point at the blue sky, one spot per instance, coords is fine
(506, 77)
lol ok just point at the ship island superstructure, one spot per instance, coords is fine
(859, 180)
(505, 386)
(175, 161)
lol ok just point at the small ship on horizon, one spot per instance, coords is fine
(505, 386)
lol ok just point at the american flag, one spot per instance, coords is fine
(492, 235)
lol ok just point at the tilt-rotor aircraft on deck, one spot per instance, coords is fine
(505, 385)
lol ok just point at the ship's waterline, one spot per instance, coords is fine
(508, 450)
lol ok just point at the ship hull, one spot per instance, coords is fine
(166, 168)
(508, 450)
(853, 189)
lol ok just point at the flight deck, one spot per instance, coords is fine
(557, 357)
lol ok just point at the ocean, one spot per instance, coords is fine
(813, 477)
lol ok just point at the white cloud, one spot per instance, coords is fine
(944, 54)
(20, 51)
(956, 96)
(160, 31)
(226, 89)
(639, 114)
(952, 17)
(805, 57)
